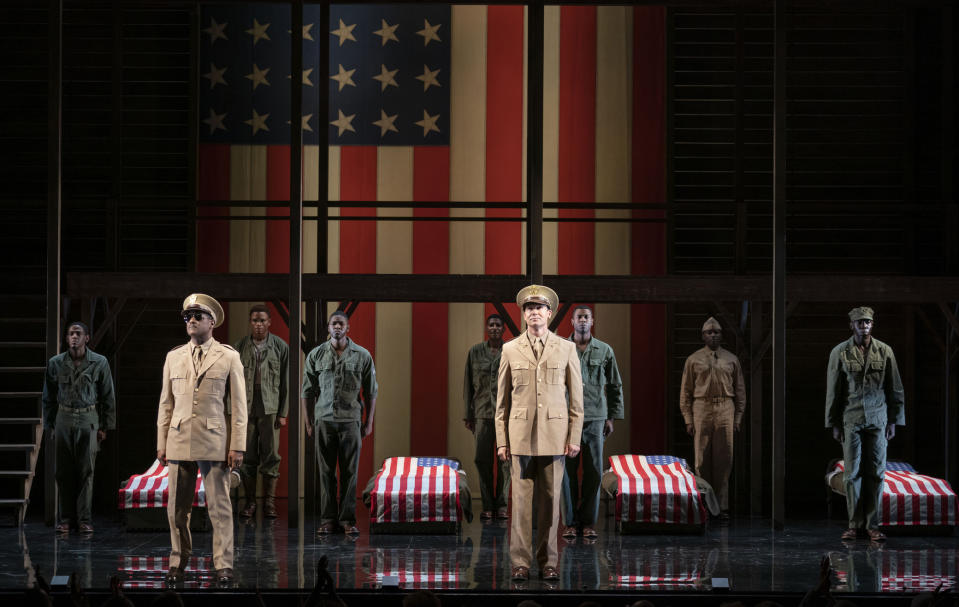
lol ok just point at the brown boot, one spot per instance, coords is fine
(249, 489)
(269, 487)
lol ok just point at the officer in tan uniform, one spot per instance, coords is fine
(539, 421)
(712, 399)
(201, 424)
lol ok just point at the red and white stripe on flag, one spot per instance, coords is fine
(917, 570)
(913, 499)
(406, 492)
(151, 489)
(656, 493)
(432, 568)
(150, 571)
(657, 569)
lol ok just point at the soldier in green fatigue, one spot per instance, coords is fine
(479, 397)
(339, 385)
(78, 407)
(864, 404)
(602, 403)
(266, 360)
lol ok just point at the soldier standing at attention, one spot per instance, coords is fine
(339, 386)
(201, 425)
(602, 403)
(479, 396)
(266, 360)
(712, 399)
(78, 407)
(864, 404)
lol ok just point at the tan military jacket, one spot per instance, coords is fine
(705, 372)
(194, 421)
(532, 413)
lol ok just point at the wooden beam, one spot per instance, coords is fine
(560, 315)
(108, 322)
(778, 291)
(507, 319)
(953, 321)
(768, 340)
(933, 331)
(481, 288)
(138, 311)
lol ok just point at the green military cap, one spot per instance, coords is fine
(205, 303)
(860, 313)
(537, 294)
(711, 323)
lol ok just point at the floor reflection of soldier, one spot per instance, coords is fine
(341, 552)
(579, 565)
(259, 566)
(75, 556)
(493, 552)
(861, 567)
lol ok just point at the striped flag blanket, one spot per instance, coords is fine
(416, 489)
(416, 568)
(912, 499)
(667, 568)
(150, 572)
(656, 489)
(151, 489)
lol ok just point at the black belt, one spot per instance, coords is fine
(78, 409)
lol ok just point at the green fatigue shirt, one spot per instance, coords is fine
(602, 383)
(335, 381)
(274, 373)
(863, 391)
(88, 384)
(479, 382)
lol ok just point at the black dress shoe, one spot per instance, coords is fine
(174, 575)
(224, 576)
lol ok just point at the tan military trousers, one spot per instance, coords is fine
(544, 473)
(182, 483)
(713, 443)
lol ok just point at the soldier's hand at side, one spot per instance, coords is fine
(890, 431)
(101, 434)
(279, 423)
(235, 459)
(161, 455)
(690, 430)
(837, 434)
(572, 450)
(503, 453)
(608, 427)
(470, 425)
(309, 427)
(367, 429)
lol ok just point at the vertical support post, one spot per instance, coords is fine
(54, 209)
(947, 146)
(296, 432)
(779, 271)
(756, 434)
(534, 145)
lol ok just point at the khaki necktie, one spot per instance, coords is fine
(197, 357)
(537, 348)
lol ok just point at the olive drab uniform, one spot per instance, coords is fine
(712, 398)
(863, 395)
(602, 400)
(337, 382)
(78, 400)
(266, 370)
(479, 398)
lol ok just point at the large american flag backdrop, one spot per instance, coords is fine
(428, 103)
(656, 489)
(911, 499)
(152, 489)
(416, 489)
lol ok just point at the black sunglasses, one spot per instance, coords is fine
(198, 316)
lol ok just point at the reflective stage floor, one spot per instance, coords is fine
(747, 553)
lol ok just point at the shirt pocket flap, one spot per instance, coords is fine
(519, 364)
(555, 413)
(518, 413)
(855, 366)
(215, 374)
(213, 424)
(876, 365)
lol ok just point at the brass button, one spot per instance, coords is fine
(196, 389)
(194, 402)
(194, 415)
(540, 406)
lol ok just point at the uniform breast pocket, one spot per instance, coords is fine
(350, 382)
(178, 382)
(555, 372)
(593, 371)
(214, 382)
(519, 373)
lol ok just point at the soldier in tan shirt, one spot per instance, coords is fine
(712, 399)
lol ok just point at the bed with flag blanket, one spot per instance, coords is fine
(418, 495)
(143, 500)
(655, 492)
(909, 499)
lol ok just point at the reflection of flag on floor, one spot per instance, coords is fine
(910, 498)
(417, 568)
(656, 489)
(151, 489)
(416, 489)
(657, 570)
(917, 570)
(150, 571)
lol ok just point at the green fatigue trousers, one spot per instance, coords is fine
(486, 460)
(864, 465)
(338, 443)
(76, 455)
(262, 441)
(581, 507)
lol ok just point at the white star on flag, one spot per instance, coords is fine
(429, 32)
(428, 78)
(215, 76)
(344, 32)
(386, 123)
(216, 31)
(258, 122)
(387, 32)
(258, 31)
(343, 123)
(428, 123)
(258, 76)
(386, 77)
(345, 77)
(215, 121)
